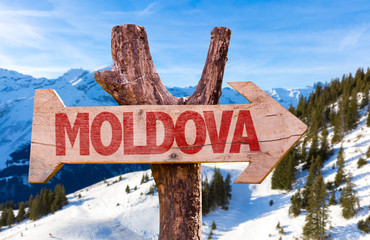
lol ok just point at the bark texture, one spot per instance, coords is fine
(133, 80)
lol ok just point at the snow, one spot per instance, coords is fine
(287, 97)
(107, 212)
(102, 212)
(77, 87)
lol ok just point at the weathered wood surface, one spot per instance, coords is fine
(163, 133)
(133, 80)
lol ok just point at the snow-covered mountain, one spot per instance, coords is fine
(76, 87)
(106, 211)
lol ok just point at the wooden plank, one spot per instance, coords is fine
(260, 133)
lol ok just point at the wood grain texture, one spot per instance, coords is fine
(134, 80)
(131, 135)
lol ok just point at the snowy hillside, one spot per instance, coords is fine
(107, 212)
(102, 212)
(76, 87)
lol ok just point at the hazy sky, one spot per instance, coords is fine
(273, 43)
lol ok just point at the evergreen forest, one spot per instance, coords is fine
(333, 106)
(47, 201)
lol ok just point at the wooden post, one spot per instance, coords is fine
(133, 80)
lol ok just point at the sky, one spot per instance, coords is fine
(289, 44)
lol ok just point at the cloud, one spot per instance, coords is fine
(180, 76)
(47, 43)
(25, 13)
(18, 34)
(38, 72)
(281, 47)
(148, 10)
(23, 27)
(352, 38)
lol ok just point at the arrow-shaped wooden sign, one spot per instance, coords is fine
(260, 133)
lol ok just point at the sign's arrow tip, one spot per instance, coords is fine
(278, 145)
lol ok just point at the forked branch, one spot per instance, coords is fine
(134, 80)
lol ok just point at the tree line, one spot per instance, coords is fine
(48, 201)
(333, 105)
(216, 193)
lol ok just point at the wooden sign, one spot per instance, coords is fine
(260, 133)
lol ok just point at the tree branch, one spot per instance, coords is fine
(133, 80)
(208, 91)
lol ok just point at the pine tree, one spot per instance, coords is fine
(365, 98)
(142, 179)
(227, 187)
(278, 226)
(332, 200)
(324, 147)
(332, 116)
(127, 189)
(296, 204)
(60, 198)
(146, 177)
(361, 162)
(216, 193)
(205, 197)
(303, 154)
(368, 118)
(151, 190)
(284, 173)
(317, 212)
(35, 209)
(313, 172)
(340, 176)
(301, 107)
(218, 189)
(214, 225)
(349, 200)
(339, 126)
(210, 235)
(292, 109)
(29, 204)
(313, 152)
(364, 225)
(352, 115)
(56, 204)
(45, 206)
(4, 217)
(10, 219)
(21, 212)
(50, 199)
